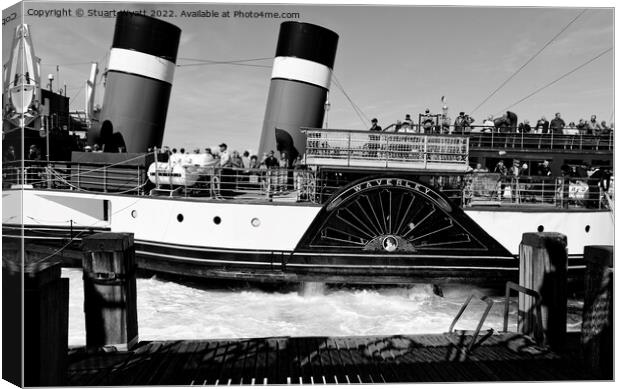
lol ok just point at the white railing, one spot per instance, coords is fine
(386, 150)
(298, 185)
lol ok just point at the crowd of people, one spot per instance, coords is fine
(224, 158)
(577, 184)
(442, 124)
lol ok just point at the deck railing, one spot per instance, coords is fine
(549, 141)
(385, 150)
(485, 137)
(297, 185)
(562, 192)
(93, 177)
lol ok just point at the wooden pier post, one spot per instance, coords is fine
(110, 308)
(46, 324)
(597, 326)
(543, 268)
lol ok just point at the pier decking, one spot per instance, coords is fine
(328, 360)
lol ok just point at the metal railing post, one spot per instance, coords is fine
(387, 150)
(105, 179)
(349, 151)
(425, 155)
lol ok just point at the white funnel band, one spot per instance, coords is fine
(291, 68)
(135, 62)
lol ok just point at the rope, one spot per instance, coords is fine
(63, 180)
(93, 170)
(238, 62)
(528, 61)
(559, 78)
(364, 119)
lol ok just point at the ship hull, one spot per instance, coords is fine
(221, 239)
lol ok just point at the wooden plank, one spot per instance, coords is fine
(174, 372)
(202, 358)
(342, 360)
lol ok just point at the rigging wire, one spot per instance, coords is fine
(238, 62)
(528, 61)
(559, 78)
(84, 173)
(72, 99)
(360, 114)
(225, 63)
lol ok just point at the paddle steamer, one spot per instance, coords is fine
(356, 207)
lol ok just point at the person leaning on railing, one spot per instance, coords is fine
(503, 175)
(271, 163)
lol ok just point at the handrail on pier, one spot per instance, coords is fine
(483, 318)
(538, 331)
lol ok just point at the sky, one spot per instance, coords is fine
(391, 61)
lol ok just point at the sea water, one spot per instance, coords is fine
(173, 310)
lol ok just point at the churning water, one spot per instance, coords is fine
(173, 311)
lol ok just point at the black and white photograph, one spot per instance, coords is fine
(285, 193)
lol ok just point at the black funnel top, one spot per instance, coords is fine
(146, 35)
(307, 41)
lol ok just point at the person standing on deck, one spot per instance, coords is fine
(503, 173)
(10, 155)
(224, 155)
(462, 123)
(599, 179)
(513, 121)
(374, 126)
(489, 124)
(605, 130)
(582, 127)
(427, 122)
(557, 124)
(542, 126)
(246, 159)
(271, 177)
(374, 139)
(408, 120)
(593, 127)
(524, 127)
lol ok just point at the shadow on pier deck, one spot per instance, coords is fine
(327, 360)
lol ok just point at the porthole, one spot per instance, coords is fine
(588, 228)
(134, 213)
(255, 222)
(180, 217)
(541, 228)
(217, 220)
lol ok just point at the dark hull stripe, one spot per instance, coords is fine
(302, 262)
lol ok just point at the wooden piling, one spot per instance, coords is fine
(543, 268)
(110, 307)
(46, 325)
(597, 326)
